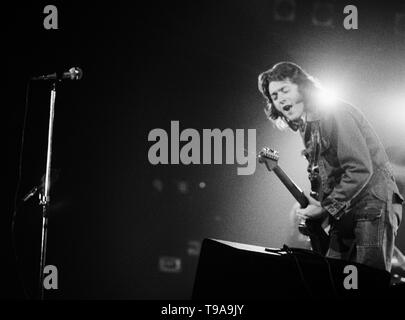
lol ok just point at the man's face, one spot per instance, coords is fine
(287, 99)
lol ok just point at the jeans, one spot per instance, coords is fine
(366, 234)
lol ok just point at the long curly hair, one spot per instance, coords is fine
(281, 72)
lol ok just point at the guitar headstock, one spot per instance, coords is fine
(269, 157)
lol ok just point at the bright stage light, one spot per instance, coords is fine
(326, 97)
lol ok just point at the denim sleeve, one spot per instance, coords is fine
(354, 158)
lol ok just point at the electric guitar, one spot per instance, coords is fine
(315, 228)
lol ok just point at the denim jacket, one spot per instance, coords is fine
(351, 161)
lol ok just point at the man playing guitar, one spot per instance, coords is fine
(351, 178)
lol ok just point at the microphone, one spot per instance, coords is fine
(74, 73)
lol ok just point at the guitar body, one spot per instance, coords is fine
(314, 229)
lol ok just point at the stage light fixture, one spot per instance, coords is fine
(193, 247)
(322, 14)
(169, 264)
(284, 10)
(183, 187)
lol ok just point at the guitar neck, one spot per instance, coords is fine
(297, 193)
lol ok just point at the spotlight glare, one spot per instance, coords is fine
(326, 98)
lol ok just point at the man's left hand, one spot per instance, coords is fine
(312, 211)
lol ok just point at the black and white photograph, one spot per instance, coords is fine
(204, 155)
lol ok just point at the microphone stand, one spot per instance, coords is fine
(44, 196)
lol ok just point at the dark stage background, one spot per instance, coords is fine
(114, 215)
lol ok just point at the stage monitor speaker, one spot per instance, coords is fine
(234, 271)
